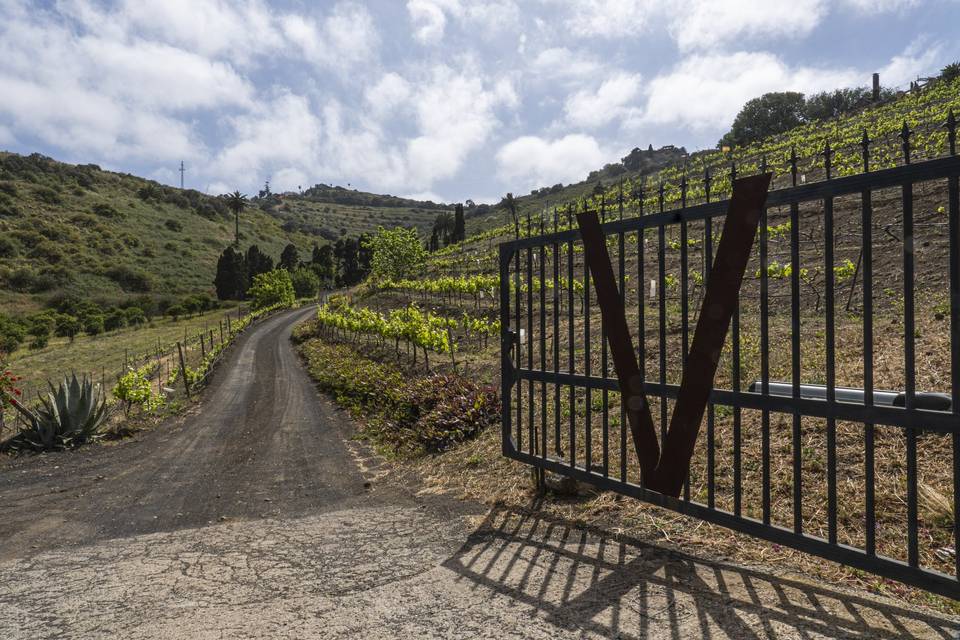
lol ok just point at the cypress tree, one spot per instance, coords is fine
(231, 280)
(459, 226)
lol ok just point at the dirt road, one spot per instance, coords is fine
(255, 516)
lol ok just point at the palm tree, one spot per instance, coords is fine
(236, 201)
(511, 205)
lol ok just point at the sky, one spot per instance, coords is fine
(446, 100)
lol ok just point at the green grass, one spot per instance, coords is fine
(103, 355)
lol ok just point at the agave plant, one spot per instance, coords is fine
(71, 414)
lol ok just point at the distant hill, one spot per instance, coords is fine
(109, 236)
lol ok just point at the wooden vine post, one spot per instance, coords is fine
(183, 370)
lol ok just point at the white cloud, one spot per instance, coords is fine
(428, 18)
(706, 91)
(535, 162)
(612, 100)
(558, 63)
(705, 24)
(918, 59)
(607, 18)
(875, 6)
(489, 17)
(389, 93)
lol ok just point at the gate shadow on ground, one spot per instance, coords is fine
(586, 580)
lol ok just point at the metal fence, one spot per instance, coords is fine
(816, 454)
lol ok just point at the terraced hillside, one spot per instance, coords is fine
(112, 236)
(334, 212)
(450, 311)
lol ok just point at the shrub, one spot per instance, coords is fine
(106, 210)
(94, 325)
(8, 188)
(427, 414)
(951, 71)
(305, 283)
(176, 311)
(71, 414)
(271, 289)
(7, 248)
(173, 225)
(133, 388)
(134, 316)
(67, 326)
(130, 279)
(115, 319)
(12, 334)
(48, 195)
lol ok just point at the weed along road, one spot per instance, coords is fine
(256, 516)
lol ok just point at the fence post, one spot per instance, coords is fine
(221, 332)
(203, 348)
(229, 330)
(183, 370)
(453, 358)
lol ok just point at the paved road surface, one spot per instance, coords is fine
(256, 517)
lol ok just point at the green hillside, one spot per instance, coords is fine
(108, 236)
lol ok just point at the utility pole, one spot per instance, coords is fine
(181, 175)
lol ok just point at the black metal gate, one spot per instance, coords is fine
(803, 444)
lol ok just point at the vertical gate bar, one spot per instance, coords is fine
(571, 355)
(795, 348)
(542, 339)
(506, 347)
(641, 298)
(708, 265)
(866, 228)
(605, 394)
(764, 361)
(953, 190)
(684, 292)
(588, 395)
(662, 299)
(830, 354)
(556, 335)
(532, 444)
(735, 380)
(909, 363)
(519, 325)
(623, 301)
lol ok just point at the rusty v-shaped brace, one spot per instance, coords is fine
(666, 471)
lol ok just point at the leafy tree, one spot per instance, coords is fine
(347, 263)
(443, 227)
(257, 262)
(459, 226)
(305, 282)
(67, 326)
(397, 253)
(830, 104)
(115, 319)
(236, 202)
(93, 325)
(322, 263)
(951, 71)
(364, 256)
(41, 325)
(289, 258)
(231, 279)
(768, 115)
(12, 334)
(135, 316)
(272, 288)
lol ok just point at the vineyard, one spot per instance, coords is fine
(663, 271)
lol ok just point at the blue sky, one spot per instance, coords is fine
(444, 99)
